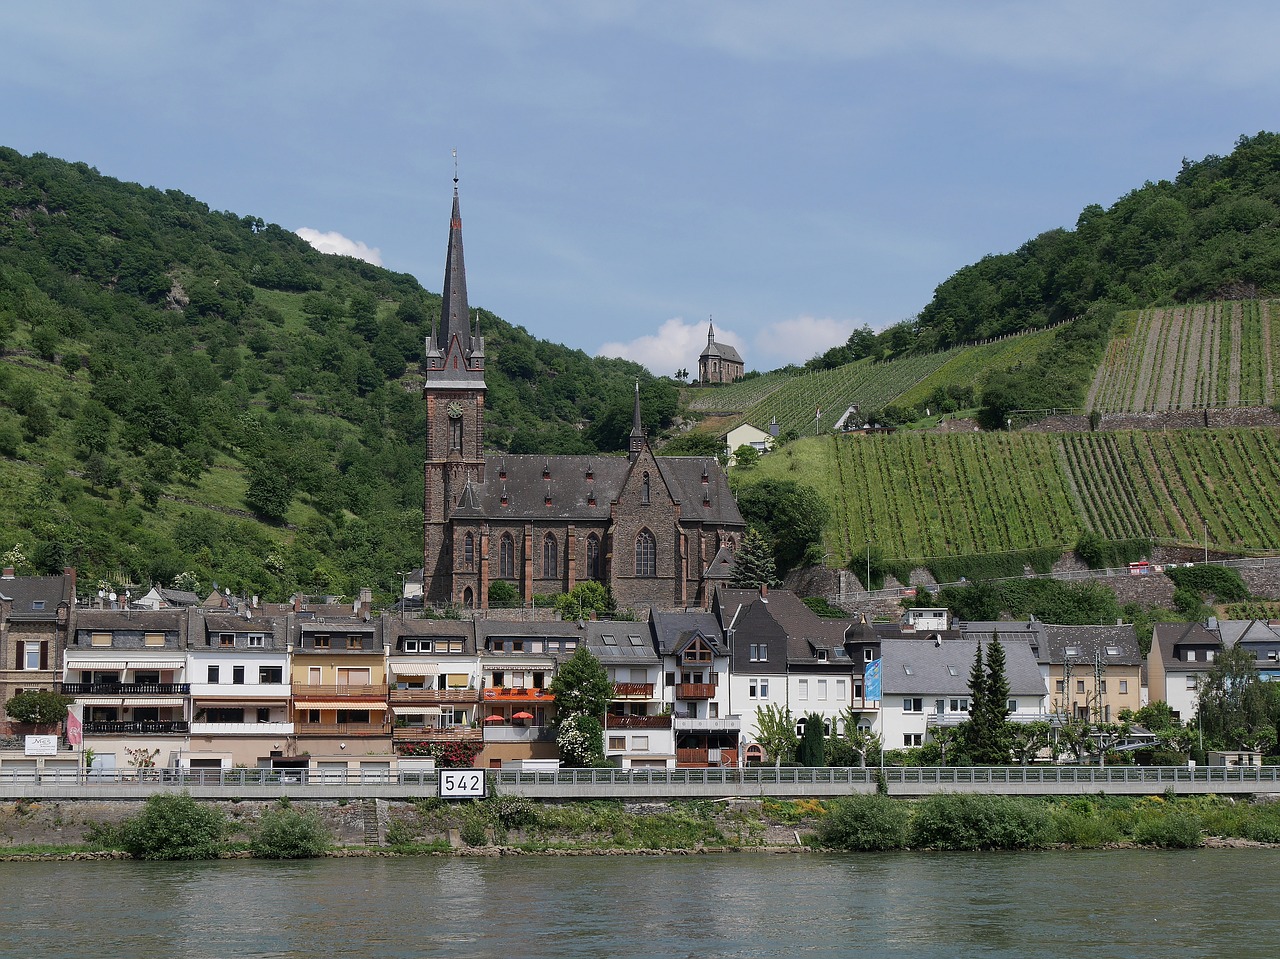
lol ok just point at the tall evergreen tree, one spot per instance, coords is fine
(812, 749)
(753, 564)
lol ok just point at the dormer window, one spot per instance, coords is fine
(37, 604)
(1073, 650)
(822, 655)
(1113, 650)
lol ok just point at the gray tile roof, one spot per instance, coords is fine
(628, 644)
(672, 631)
(1112, 645)
(1168, 639)
(924, 667)
(29, 593)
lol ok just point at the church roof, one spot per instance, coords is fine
(723, 350)
(536, 486)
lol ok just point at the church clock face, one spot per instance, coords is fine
(455, 410)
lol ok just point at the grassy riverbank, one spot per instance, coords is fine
(514, 825)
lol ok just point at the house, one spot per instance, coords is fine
(518, 662)
(128, 670)
(238, 667)
(159, 597)
(34, 616)
(435, 681)
(744, 434)
(1181, 654)
(1260, 637)
(696, 687)
(339, 677)
(638, 729)
(925, 684)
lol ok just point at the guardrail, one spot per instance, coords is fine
(585, 784)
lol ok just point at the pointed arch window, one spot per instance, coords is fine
(644, 490)
(550, 557)
(646, 554)
(506, 557)
(468, 598)
(469, 550)
(593, 557)
(455, 434)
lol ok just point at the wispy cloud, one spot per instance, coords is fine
(796, 340)
(334, 242)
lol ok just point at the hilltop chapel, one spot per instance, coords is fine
(659, 531)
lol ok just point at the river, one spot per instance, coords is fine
(1131, 903)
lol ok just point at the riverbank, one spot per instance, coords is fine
(514, 826)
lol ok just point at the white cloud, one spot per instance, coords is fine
(334, 242)
(797, 339)
(676, 345)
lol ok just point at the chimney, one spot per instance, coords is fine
(8, 573)
(297, 602)
(764, 591)
(70, 571)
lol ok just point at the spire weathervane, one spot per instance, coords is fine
(455, 169)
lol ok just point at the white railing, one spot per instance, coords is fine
(242, 729)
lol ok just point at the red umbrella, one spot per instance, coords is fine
(522, 715)
(495, 718)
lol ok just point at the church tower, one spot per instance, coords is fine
(454, 397)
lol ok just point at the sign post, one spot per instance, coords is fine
(462, 784)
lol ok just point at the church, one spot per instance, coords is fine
(659, 531)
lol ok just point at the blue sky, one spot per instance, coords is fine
(629, 169)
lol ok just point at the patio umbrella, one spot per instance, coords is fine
(522, 715)
(495, 718)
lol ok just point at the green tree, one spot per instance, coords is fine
(693, 443)
(584, 599)
(753, 564)
(502, 595)
(1235, 709)
(582, 686)
(811, 751)
(174, 826)
(746, 456)
(986, 733)
(40, 706)
(791, 516)
(776, 732)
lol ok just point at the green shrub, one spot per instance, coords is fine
(473, 832)
(1168, 828)
(1079, 823)
(285, 833)
(512, 812)
(865, 823)
(174, 826)
(966, 821)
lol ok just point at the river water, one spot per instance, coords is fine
(1132, 903)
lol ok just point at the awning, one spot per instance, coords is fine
(415, 667)
(201, 701)
(417, 710)
(457, 680)
(96, 664)
(491, 662)
(154, 701)
(99, 700)
(158, 664)
(338, 704)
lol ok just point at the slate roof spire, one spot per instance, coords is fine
(637, 430)
(455, 317)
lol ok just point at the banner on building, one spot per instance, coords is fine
(75, 727)
(871, 678)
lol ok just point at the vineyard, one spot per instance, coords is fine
(736, 397)
(915, 495)
(972, 365)
(1191, 357)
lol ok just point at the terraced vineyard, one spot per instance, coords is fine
(736, 397)
(1191, 357)
(919, 495)
(1169, 485)
(972, 365)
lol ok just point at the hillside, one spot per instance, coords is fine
(919, 495)
(183, 389)
(1191, 357)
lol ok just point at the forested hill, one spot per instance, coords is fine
(188, 390)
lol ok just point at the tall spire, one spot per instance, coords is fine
(711, 332)
(454, 314)
(636, 443)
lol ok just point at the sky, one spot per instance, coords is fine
(630, 170)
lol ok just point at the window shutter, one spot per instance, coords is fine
(44, 655)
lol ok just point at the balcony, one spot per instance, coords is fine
(431, 734)
(406, 696)
(343, 729)
(301, 692)
(242, 729)
(241, 691)
(695, 691)
(719, 724)
(637, 722)
(955, 718)
(706, 757)
(517, 694)
(494, 733)
(125, 689)
(157, 727)
(633, 690)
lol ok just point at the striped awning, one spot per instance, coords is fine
(402, 668)
(338, 704)
(416, 710)
(154, 701)
(158, 664)
(97, 664)
(99, 700)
